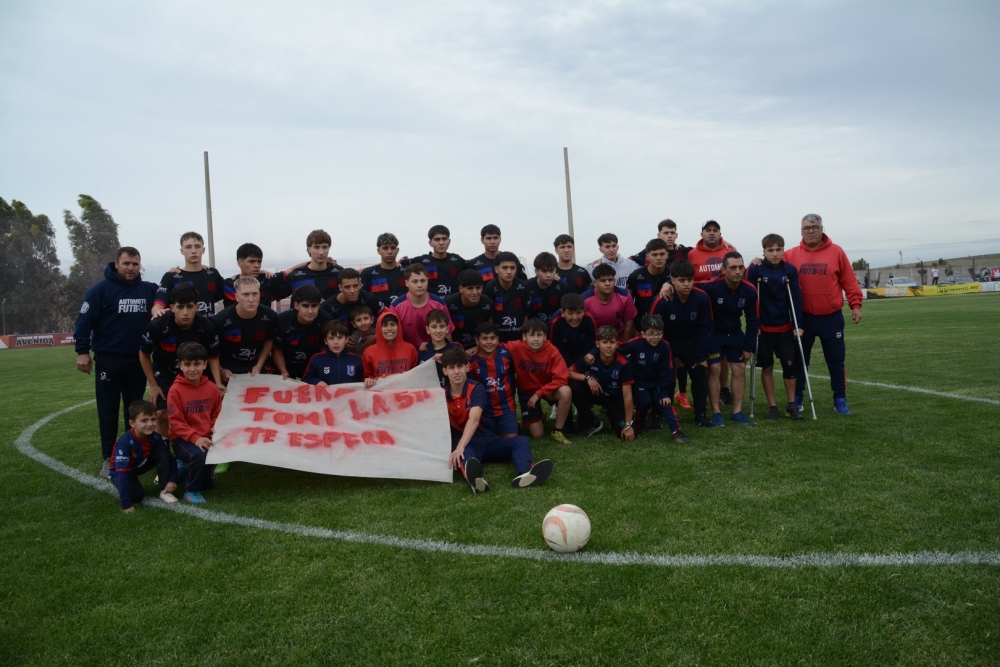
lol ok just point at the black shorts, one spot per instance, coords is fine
(164, 384)
(781, 345)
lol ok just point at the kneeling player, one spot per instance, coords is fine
(608, 382)
(540, 373)
(653, 369)
(139, 450)
(471, 442)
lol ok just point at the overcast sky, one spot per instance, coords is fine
(363, 117)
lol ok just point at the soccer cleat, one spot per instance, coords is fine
(592, 429)
(679, 436)
(194, 497)
(840, 405)
(703, 421)
(535, 476)
(106, 468)
(772, 413)
(725, 396)
(740, 418)
(793, 411)
(170, 498)
(681, 400)
(473, 471)
(221, 468)
(717, 419)
(561, 438)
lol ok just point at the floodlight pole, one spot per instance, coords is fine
(208, 212)
(569, 198)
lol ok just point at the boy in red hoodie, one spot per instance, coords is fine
(193, 405)
(540, 373)
(389, 354)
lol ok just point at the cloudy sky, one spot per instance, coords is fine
(363, 117)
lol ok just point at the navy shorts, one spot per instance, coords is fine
(730, 346)
(502, 425)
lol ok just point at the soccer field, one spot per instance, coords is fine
(871, 539)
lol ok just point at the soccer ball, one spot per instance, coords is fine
(566, 528)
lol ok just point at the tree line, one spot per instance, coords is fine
(36, 296)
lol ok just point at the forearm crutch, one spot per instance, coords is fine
(802, 352)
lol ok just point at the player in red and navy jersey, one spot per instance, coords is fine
(574, 277)
(732, 298)
(385, 279)
(350, 295)
(645, 282)
(608, 382)
(468, 309)
(334, 365)
(246, 331)
(687, 328)
(509, 296)
(667, 231)
(207, 281)
(572, 329)
(545, 291)
(300, 333)
(443, 267)
(472, 441)
(164, 335)
(138, 451)
(321, 272)
(250, 258)
(493, 367)
(486, 263)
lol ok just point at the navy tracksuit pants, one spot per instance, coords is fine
(118, 381)
(198, 473)
(830, 331)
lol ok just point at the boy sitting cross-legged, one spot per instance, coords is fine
(139, 450)
(540, 373)
(608, 382)
(472, 442)
(336, 365)
(193, 405)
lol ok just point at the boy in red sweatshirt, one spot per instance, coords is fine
(390, 354)
(193, 405)
(540, 373)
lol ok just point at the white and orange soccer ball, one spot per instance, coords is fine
(566, 528)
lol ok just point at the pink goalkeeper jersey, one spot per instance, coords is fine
(413, 320)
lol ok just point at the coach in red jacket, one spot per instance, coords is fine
(825, 276)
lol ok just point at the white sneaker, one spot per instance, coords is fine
(168, 497)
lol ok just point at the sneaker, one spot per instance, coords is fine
(840, 405)
(725, 396)
(592, 429)
(793, 411)
(561, 438)
(798, 401)
(772, 413)
(537, 475)
(194, 497)
(553, 415)
(473, 472)
(703, 421)
(221, 468)
(717, 419)
(679, 436)
(170, 498)
(740, 418)
(106, 468)
(656, 423)
(681, 400)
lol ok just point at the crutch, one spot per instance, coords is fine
(753, 359)
(805, 368)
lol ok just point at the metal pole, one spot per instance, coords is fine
(208, 212)
(569, 198)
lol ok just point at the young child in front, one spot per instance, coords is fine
(336, 365)
(472, 442)
(390, 354)
(437, 329)
(138, 451)
(493, 367)
(608, 382)
(540, 373)
(193, 405)
(653, 370)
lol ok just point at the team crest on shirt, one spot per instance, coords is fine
(694, 315)
(741, 303)
(720, 301)
(84, 308)
(614, 375)
(350, 370)
(672, 317)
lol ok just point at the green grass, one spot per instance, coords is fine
(907, 472)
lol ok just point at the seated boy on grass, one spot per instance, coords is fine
(540, 373)
(608, 382)
(193, 405)
(138, 451)
(389, 354)
(472, 442)
(336, 365)
(437, 329)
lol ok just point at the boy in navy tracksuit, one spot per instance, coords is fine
(687, 327)
(138, 451)
(336, 365)
(774, 278)
(653, 370)
(572, 329)
(607, 382)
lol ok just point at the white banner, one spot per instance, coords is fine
(398, 430)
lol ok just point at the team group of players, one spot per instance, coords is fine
(625, 333)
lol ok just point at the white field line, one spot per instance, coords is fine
(920, 558)
(916, 390)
